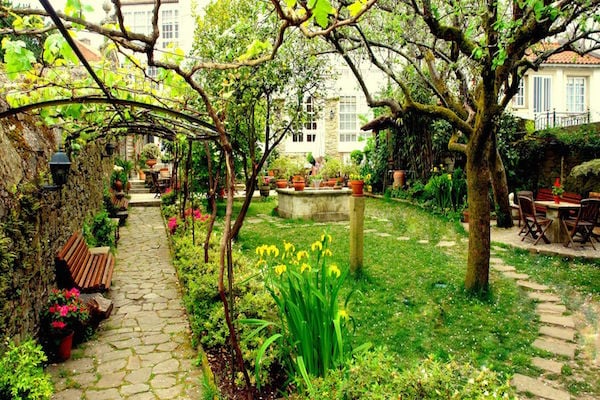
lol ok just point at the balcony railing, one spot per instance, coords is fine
(553, 119)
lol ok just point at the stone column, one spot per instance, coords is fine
(357, 219)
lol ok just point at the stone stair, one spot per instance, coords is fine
(138, 187)
(556, 337)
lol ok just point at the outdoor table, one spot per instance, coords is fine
(555, 211)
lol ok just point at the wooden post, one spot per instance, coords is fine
(357, 219)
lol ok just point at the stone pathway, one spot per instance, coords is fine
(143, 350)
(556, 337)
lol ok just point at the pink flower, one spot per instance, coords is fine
(172, 225)
(58, 324)
(64, 310)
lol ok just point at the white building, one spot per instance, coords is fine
(335, 128)
(562, 92)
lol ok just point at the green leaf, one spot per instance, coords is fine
(321, 11)
(17, 57)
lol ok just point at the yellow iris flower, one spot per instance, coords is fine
(280, 269)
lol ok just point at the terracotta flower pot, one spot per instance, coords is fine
(299, 185)
(151, 162)
(281, 183)
(357, 188)
(557, 199)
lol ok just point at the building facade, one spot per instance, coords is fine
(562, 92)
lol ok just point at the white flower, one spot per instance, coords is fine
(117, 168)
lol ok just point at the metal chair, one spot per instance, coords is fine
(534, 225)
(583, 225)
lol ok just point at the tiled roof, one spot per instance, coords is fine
(565, 57)
(88, 53)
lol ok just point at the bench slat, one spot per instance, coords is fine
(87, 269)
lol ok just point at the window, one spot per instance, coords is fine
(575, 94)
(542, 94)
(298, 137)
(519, 99)
(310, 124)
(170, 28)
(139, 21)
(348, 120)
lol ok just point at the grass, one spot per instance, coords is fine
(410, 294)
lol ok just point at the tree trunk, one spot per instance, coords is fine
(500, 188)
(478, 182)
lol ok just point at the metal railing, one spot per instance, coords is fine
(553, 119)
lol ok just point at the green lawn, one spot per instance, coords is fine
(410, 295)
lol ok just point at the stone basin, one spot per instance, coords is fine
(322, 204)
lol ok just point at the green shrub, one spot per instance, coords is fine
(372, 375)
(21, 373)
(203, 303)
(100, 231)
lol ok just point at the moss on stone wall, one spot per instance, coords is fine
(35, 223)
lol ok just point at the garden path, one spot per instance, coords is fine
(143, 350)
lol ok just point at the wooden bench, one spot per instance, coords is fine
(89, 270)
(545, 194)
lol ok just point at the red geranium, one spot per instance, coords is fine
(65, 310)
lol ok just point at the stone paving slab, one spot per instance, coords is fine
(558, 332)
(551, 366)
(560, 348)
(537, 387)
(550, 308)
(515, 275)
(554, 319)
(143, 351)
(532, 285)
(545, 297)
(502, 267)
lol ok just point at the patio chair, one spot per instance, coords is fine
(583, 225)
(159, 186)
(523, 193)
(534, 225)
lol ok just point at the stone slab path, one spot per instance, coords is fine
(556, 337)
(143, 351)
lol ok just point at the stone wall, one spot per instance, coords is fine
(34, 223)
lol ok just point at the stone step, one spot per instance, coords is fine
(558, 332)
(532, 286)
(545, 297)
(537, 387)
(515, 275)
(547, 365)
(502, 268)
(557, 347)
(550, 308)
(496, 260)
(559, 320)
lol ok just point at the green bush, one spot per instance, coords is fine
(372, 375)
(203, 303)
(21, 373)
(100, 231)
(447, 191)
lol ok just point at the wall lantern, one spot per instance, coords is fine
(109, 149)
(59, 169)
(331, 114)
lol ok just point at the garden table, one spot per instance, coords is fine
(555, 211)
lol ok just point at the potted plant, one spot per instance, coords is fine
(281, 168)
(65, 317)
(557, 190)
(118, 179)
(150, 153)
(357, 183)
(332, 170)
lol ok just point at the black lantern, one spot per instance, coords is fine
(110, 150)
(59, 169)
